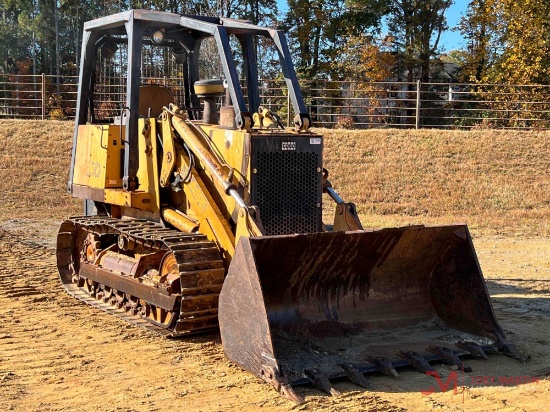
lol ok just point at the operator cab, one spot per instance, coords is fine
(171, 58)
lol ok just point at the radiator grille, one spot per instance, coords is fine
(286, 192)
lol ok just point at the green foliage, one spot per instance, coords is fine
(414, 31)
(417, 27)
(508, 45)
(49, 32)
(508, 41)
(319, 29)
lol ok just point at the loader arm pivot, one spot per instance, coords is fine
(345, 215)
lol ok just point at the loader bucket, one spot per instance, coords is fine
(300, 307)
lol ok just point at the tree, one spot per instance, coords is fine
(527, 35)
(508, 45)
(417, 27)
(482, 27)
(508, 41)
(319, 29)
(364, 58)
(16, 38)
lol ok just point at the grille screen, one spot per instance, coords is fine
(286, 192)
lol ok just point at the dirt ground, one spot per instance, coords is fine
(58, 354)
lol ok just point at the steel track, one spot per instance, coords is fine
(198, 259)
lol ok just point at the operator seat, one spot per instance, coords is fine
(153, 97)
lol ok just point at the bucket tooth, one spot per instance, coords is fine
(273, 376)
(475, 350)
(504, 346)
(288, 392)
(449, 357)
(417, 361)
(385, 365)
(354, 374)
(321, 381)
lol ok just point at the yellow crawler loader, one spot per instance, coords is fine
(202, 211)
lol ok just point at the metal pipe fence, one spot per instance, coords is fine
(331, 103)
(37, 97)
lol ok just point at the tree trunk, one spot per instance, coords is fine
(57, 57)
(316, 51)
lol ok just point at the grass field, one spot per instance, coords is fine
(34, 165)
(496, 181)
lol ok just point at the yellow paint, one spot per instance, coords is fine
(148, 170)
(98, 166)
(98, 156)
(179, 220)
(99, 160)
(230, 144)
(247, 226)
(138, 199)
(169, 152)
(212, 221)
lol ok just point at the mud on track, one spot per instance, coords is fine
(58, 354)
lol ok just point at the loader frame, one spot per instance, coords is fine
(188, 32)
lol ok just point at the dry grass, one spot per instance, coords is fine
(34, 166)
(498, 182)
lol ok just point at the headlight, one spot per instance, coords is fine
(158, 37)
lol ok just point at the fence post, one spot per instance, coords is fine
(288, 109)
(43, 96)
(417, 122)
(17, 94)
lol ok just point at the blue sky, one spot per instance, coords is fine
(453, 40)
(450, 40)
